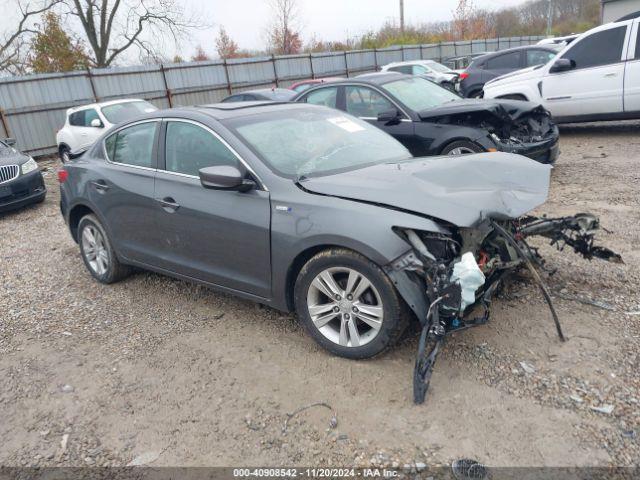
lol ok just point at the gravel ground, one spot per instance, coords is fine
(157, 371)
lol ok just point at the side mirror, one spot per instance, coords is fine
(96, 123)
(225, 177)
(562, 65)
(10, 141)
(389, 117)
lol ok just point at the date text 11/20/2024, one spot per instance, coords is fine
(316, 472)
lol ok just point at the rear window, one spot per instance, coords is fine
(508, 60)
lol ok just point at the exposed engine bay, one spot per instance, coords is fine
(506, 121)
(459, 275)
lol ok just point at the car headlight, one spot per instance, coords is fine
(29, 166)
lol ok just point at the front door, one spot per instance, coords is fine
(220, 237)
(596, 83)
(632, 73)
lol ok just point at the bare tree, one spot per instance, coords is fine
(114, 26)
(283, 35)
(15, 42)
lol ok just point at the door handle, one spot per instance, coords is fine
(611, 74)
(100, 186)
(168, 204)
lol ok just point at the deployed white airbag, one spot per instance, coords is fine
(468, 274)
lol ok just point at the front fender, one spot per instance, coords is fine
(335, 222)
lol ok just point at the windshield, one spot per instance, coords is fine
(316, 141)
(438, 67)
(419, 94)
(119, 112)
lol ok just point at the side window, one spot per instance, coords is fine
(538, 57)
(420, 70)
(89, 116)
(188, 148)
(133, 145)
(77, 118)
(324, 96)
(366, 102)
(508, 60)
(402, 69)
(601, 48)
(638, 43)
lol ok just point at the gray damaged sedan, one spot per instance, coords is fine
(306, 208)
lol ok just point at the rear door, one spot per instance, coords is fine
(122, 189)
(220, 237)
(595, 86)
(632, 72)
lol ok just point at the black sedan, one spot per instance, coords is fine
(270, 94)
(21, 182)
(431, 120)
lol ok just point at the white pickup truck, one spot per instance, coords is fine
(595, 77)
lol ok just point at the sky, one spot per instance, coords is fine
(246, 20)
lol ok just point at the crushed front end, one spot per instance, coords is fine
(511, 126)
(458, 275)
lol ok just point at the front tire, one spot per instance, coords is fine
(348, 304)
(97, 253)
(461, 147)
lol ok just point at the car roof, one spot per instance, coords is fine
(266, 91)
(222, 111)
(104, 104)
(377, 78)
(410, 62)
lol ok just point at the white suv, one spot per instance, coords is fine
(595, 77)
(85, 124)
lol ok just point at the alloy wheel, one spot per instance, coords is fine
(345, 306)
(94, 250)
(461, 151)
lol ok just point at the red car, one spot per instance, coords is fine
(302, 85)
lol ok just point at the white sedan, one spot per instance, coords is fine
(84, 124)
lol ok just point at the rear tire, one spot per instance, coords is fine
(97, 253)
(461, 147)
(362, 316)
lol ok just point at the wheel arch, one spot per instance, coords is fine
(75, 215)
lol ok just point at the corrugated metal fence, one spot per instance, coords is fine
(32, 108)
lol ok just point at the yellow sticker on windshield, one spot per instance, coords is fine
(346, 124)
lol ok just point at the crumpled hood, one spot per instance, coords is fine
(507, 110)
(460, 190)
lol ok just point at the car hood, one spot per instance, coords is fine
(516, 75)
(10, 156)
(506, 110)
(460, 190)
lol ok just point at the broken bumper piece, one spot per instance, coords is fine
(449, 281)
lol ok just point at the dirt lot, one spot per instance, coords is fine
(168, 373)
